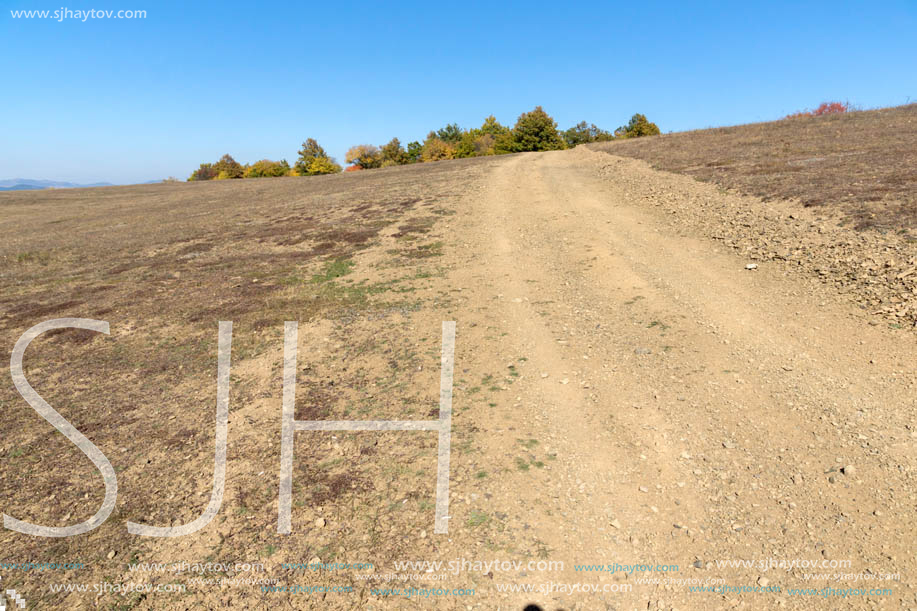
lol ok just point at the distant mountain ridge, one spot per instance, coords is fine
(27, 184)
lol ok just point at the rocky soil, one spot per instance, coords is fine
(876, 270)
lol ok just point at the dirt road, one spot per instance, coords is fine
(672, 407)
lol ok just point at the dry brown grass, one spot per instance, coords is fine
(862, 165)
(163, 264)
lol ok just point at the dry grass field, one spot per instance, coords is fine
(862, 165)
(163, 264)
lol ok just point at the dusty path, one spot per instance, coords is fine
(686, 411)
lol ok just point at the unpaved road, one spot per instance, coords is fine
(699, 412)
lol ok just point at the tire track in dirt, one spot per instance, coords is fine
(704, 407)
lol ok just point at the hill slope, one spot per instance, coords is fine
(860, 165)
(625, 391)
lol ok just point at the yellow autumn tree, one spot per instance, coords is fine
(323, 165)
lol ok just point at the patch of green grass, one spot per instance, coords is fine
(528, 443)
(478, 518)
(328, 464)
(522, 464)
(334, 269)
(658, 323)
(433, 249)
(135, 600)
(326, 553)
(481, 474)
(42, 258)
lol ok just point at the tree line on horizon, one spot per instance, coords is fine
(534, 131)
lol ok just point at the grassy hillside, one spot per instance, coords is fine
(163, 264)
(862, 165)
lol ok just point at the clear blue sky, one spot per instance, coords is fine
(134, 100)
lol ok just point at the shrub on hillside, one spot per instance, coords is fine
(323, 165)
(310, 151)
(536, 131)
(483, 145)
(582, 133)
(831, 108)
(267, 168)
(451, 134)
(313, 160)
(638, 126)
(436, 149)
(465, 147)
(393, 153)
(205, 172)
(480, 141)
(366, 156)
(504, 143)
(415, 150)
(227, 167)
(493, 128)
(825, 108)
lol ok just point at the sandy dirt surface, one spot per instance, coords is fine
(637, 415)
(699, 412)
